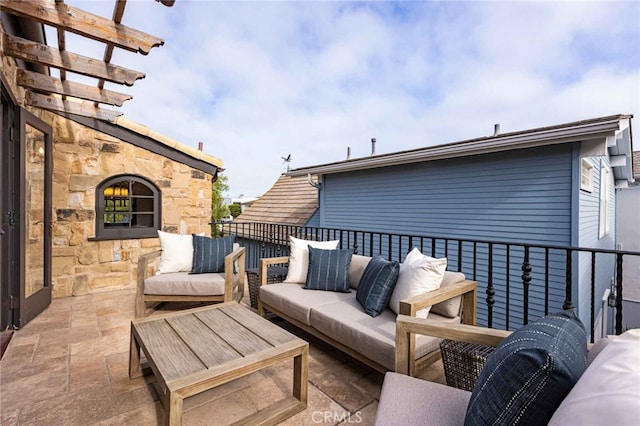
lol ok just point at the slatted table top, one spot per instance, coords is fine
(217, 338)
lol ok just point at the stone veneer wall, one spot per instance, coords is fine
(82, 158)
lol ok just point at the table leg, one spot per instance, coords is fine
(173, 409)
(300, 375)
(135, 370)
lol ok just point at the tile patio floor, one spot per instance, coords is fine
(69, 366)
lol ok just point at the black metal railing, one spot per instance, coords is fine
(520, 281)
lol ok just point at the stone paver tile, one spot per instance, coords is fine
(221, 411)
(48, 322)
(136, 398)
(24, 386)
(120, 381)
(221, 391)
(41, 369)
(101, 346)
(9, 415)
(321, 410)
(83, 318)
(112, 321)
(364, 416)
(116, 332)
(68, 336)
(19, 353)
(146, 415)
(343, 392)
(72, 408)
(371, 384)
(44, 353)
(270, 390)
(87, 374)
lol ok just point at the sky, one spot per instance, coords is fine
(256, 81)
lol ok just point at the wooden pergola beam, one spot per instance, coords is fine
(31, 51)
(86, 109)
(45, 83)
(72, 19)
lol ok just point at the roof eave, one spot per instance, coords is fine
(543, 137)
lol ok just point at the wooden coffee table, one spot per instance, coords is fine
(196, 350)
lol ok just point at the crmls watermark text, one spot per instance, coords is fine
(334, 418)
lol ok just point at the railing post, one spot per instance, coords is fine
(526, 281)
(618, 293)
(490, 289)
(568, 304)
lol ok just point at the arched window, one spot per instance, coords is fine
(127, 206)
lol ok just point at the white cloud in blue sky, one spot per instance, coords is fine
(256, 81)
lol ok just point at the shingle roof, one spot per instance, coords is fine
(291, 200)
(636, 164)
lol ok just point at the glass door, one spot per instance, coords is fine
(34, 204)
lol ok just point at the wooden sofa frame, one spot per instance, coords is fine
(233, 283)
(408, 307)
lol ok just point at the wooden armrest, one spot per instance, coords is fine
(238, 257)
(143, 263)
(407, 326)
(410, 305)
(466, 288)
(266, 262)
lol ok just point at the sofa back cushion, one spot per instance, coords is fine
(356, 269)
(449, 308)
(529, 374)
(608, 393)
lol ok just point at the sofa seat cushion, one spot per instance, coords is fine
(375, 337)
(406, 400)
(296, 302)
(185, 284)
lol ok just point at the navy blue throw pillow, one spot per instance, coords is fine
(529, 374)
(209, 253)
(328, 270)
(376, 285)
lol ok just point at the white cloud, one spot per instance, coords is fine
(260, 80)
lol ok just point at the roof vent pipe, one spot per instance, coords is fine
(200, 145)
(496, 129)
(373, 146)
(348, 153)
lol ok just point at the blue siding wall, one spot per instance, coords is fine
(520, 196)
(314, 220)
(589, 226)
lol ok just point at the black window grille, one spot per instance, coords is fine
(127, 206)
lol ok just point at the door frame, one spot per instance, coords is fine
(31, 306)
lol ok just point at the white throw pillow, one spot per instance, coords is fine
(418, 274)
(299, 257)
(177, 253)
(608, 392)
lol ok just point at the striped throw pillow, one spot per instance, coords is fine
(209, 253)
(328, 270)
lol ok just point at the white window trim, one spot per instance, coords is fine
(605, 196)
(586, 175)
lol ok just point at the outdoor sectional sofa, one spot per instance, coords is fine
(339, 319)
(541, 373)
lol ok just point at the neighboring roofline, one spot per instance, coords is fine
(596, 128)
(142, 137)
